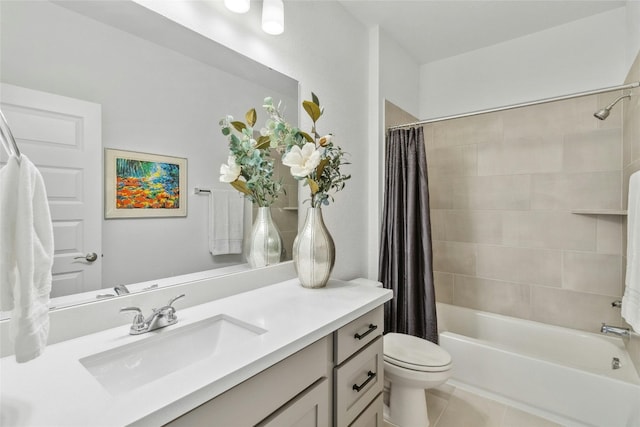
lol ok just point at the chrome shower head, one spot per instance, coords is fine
(603, 113)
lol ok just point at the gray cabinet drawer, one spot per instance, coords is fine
(373, 416)
(309, 409)
(357, 334)
(357, 382)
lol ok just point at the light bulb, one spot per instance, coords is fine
(273, 16)
(237, 6)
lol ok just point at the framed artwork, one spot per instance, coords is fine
(142, 185)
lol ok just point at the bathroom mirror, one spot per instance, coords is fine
(159, 89)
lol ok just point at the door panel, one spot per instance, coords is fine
(62, 137)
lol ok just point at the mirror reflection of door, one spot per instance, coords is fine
(62, 137)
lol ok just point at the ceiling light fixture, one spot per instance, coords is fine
(237, 6)
(273, 16)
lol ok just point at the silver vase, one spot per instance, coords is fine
(264, 246)
(314, 252)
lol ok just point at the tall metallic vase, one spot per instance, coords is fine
(264, 246)
(314, 252)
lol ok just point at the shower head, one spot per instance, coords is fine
(603, 113)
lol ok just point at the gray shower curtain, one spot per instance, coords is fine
(406, 261)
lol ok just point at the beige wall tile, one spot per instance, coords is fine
(453, 257)
(520, 265)
(615, 117)
(593, 273)
(521, 155)
(597, 190)
(428, 136)
(458, 160)
(631, 126)
(470, 130)
(440, 192)
(437, 224)
(599, 150)
(506, 192)
(550, 230)
(609, 234)
(511, 299)
(443, 283)
(554, 118)
(473, 226)
(573, 309)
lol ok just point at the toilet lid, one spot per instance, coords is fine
(414, 353)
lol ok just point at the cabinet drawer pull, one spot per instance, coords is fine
(372, 328)
(370, 376)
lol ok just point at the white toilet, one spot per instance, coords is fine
(411, 365)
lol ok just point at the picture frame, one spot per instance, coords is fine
(144, 185)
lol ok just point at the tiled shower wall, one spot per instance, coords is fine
(504, 191)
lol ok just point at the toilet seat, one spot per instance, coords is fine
(416, 354)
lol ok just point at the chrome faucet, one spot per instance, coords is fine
(616, 330)
(121, 289)
(159, 318)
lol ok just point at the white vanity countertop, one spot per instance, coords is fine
(56, 389)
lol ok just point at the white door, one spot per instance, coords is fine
(62, 136)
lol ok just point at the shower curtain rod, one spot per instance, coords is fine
(524, 104)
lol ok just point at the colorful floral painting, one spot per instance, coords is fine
(144, 185)
(147, 185)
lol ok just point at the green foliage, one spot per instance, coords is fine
(256, 178)
(326, 179)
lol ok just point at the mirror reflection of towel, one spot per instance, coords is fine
(26, 256)
(226, 222)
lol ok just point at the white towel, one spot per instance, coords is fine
(226, 221)
(26, 256)
(631, 298)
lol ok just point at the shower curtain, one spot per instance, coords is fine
(406, 261)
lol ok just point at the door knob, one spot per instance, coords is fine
(91, 256)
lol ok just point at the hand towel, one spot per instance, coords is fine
(26, 256)
(226, 221)
(631, 298)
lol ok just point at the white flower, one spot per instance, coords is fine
(231, 171)
(325, 140)
(302, 161)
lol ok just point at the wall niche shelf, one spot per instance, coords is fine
(599, 212)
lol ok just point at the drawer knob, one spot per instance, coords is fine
(370, 376)
(372, 328)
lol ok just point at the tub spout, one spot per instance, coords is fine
(622, 332)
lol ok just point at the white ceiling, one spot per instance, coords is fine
(430, 30)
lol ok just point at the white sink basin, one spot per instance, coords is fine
(165, 351)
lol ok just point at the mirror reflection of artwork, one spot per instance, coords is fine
(144, 185)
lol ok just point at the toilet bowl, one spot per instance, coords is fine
(411, 365)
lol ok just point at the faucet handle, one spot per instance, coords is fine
(174, 299)
(138, 319)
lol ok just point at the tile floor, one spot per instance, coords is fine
(449, 406)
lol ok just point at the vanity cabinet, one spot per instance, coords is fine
(358, 371)
(336, 381)
(293, 392)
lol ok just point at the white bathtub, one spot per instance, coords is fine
(562, 374)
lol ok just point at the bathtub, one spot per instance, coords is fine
(562, 374)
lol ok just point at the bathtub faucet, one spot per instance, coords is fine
(621, 332)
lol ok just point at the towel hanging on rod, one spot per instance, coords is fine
(8, 141)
